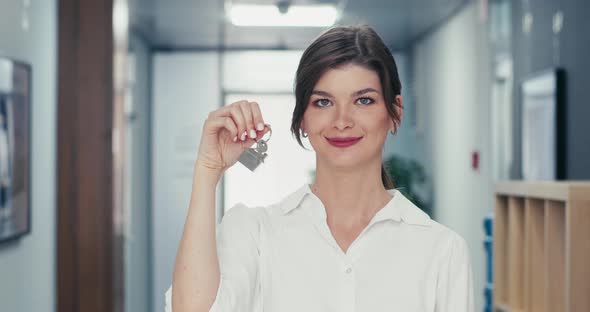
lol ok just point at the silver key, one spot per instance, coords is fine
(253, 157)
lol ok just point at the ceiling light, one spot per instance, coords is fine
(296, 15)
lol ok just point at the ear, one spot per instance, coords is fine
(302, 125)
(399, 109)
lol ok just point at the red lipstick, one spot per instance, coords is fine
(343, 142)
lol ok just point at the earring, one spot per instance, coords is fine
(303, 134)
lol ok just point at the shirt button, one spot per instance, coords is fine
(348, 270)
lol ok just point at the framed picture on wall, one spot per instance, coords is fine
(544, 126)
(15, 142)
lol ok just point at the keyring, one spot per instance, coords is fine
(251, 158)
(270, 133)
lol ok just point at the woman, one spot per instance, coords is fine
(349, 241)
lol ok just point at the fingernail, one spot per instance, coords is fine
(235, 138)
(260, 126)
(252, 133)
(243, 136)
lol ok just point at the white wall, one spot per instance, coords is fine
(185, 89)
(404, 142)
(260, 71)
(27, 266)
(137, 200)
(451, 71)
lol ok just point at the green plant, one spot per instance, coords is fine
(407, 176)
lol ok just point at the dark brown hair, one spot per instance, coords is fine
(340, 46)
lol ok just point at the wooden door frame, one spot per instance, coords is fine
(88, 260)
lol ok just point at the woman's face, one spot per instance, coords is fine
(348, 102)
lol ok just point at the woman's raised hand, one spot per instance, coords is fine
(227, 132)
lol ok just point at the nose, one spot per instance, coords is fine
(343, 118)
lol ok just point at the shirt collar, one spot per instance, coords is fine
(399, 208)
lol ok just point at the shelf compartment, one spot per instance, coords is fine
(535, 255)
(577, 233)
(516, 252)
(555, 254)
(500, 253)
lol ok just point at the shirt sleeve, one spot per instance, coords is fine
(455, 282)
(238, 252)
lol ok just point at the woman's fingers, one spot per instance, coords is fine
(246, 116)
(235, 113)
(247, 112)
(232, 122)
(241, 122)
(227, 123)
(257, 116)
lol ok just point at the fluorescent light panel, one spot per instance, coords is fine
(269, 15)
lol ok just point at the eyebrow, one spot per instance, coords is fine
(356, 93)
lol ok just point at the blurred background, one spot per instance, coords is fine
(118, 90)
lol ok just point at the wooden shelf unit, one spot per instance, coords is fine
(542, 246)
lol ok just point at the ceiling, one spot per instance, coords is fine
(201, 24)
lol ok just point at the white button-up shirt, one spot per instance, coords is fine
(283, 258)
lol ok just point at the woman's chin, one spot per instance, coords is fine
(343, 161)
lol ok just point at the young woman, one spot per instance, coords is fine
(347, 242)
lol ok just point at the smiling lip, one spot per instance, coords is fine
(344, 142)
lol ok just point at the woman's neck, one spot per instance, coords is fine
(351, 197)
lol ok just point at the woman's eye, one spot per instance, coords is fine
(365, 101)
(322, 102)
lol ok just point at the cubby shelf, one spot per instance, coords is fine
(542, 246)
